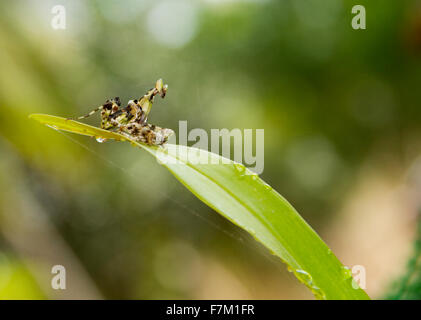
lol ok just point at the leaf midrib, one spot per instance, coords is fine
(261, 218)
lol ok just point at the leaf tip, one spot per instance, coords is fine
(34, 116)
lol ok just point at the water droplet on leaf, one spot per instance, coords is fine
(346, 272)
(318, 293)
(267, 187)
(304, 276)
(240, 168)
(254, 177)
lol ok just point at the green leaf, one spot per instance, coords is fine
(247, 201)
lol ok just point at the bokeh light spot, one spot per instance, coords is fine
(173, 24)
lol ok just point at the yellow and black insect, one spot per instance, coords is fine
(131, 121)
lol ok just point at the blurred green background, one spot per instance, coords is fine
(342, 119)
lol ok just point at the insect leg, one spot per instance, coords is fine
(111, 109)
(112, 105)
(90, 113)
(146, 101)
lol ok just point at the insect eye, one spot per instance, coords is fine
(108, 105)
